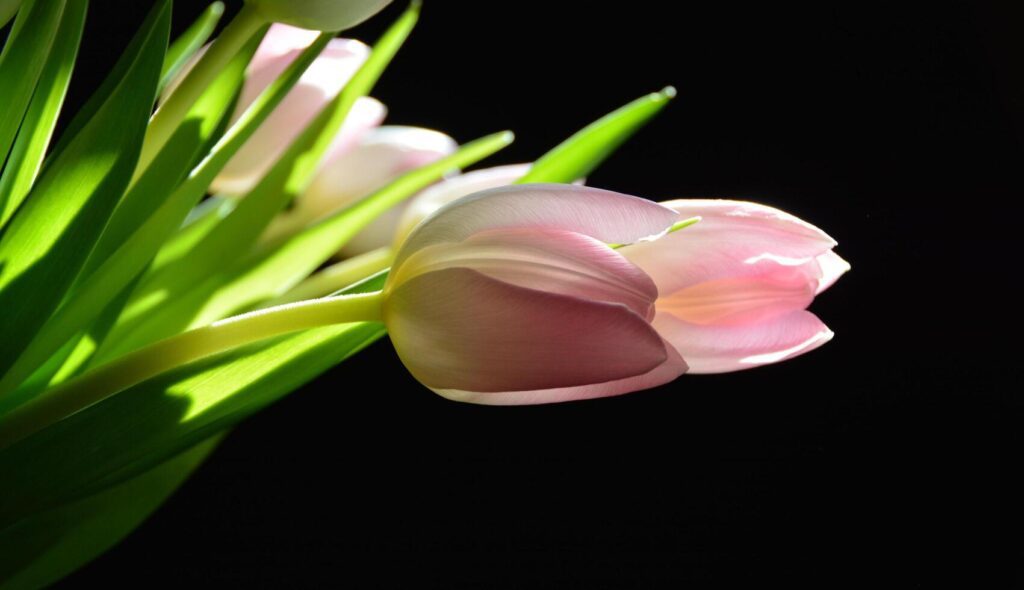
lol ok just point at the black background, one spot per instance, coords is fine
(889, 456)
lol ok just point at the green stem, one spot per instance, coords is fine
(118, 375)
(172, 112)
(338, 276)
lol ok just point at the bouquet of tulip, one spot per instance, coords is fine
(222, 222)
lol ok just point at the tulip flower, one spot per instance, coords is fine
(318, 85)
(319, 15)
(734, 288)
(431, 199)
(348, 175)
(512, 296)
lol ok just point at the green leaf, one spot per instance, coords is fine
(22, 62)
(7, 10)
(134, 250)
(26, 156)
(235, 234)
(47, 241)
(47, 546)
(185, 46)
(266, 274)
(579, 155)
(130, 432)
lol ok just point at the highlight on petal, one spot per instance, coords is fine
(733, 239)
(723, 348)
(451, 189)
(831, 266)
(380, 156)
(548, 260)
(458, 329)
(604, 215)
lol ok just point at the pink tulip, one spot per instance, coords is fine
(348, 175)
(324, 79)
(734, 288)
(451, 189)
(512, 296)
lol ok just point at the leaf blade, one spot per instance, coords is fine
(579, 155)
(48, 239)
(26, 156)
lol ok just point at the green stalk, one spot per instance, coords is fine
(172, 112)
(181, 349)
(337, 276)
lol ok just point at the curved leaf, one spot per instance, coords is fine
(48, 239)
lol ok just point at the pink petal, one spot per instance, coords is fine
(324, 79)
(459, 329)
(831, 268)
(733, 239)
(719, 349)
(607, 216)
(667, 371)
(741, 300)
(250, 164)
(451, 189)
(549, 260)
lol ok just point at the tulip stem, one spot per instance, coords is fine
(104, 381)
(172, 112)
(338, 276)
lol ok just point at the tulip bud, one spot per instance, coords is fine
(433, 198)
(348, 175)
(512, 296)
(734, 288)
(320, 84)
(319, 15)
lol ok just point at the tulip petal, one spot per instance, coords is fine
(733, 239)
(451, 189)
(549, 260)
(832, 266)
(459, 329)
(719, 349)
(607, 216)
(319, 84)
(667, 371)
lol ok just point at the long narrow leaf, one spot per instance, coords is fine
(267, 274)
(22, 62)
(293, 171)
(577, 156)
(26, 157)
(47, 241)
(185, 46)
(234, 236)
(142, 426)
(44, 548)
(134, 251)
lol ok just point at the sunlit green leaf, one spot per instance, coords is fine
(577, 156)
(185, 46)
(128, 255)
(270, 272)
(22, 62)
(26, 156)
(47, 241)
(142, 426)
(186, 279)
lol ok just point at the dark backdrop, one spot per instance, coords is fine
(890, 455)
